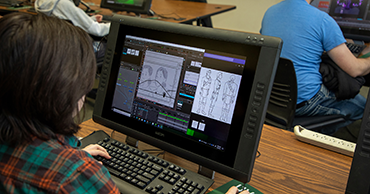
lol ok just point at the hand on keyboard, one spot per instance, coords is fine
(136, 171)
(234, 190)
(97, 150)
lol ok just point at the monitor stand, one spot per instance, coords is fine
(206, 172)
(132, 141)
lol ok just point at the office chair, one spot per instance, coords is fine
(283, 99)
(206, 22)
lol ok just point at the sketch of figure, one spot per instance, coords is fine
(146, 75)
(159, 84)
(228, 97)
(204, 91)
(216, 91)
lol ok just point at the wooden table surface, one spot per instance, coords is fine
(285, 165)
(191, 11)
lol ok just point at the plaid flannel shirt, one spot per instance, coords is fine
(53, 166)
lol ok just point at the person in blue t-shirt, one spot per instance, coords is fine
(306, 33)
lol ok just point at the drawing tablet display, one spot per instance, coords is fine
(200, 93)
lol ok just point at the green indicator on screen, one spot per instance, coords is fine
(131, 2)
(190, 132)
(173, 117)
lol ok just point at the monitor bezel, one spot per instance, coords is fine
(359, 174)
(247, 143)
(144, 9)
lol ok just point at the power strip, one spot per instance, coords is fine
(325, 141)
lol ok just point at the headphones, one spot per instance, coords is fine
(77, 2)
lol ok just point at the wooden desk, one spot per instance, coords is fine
(191, 11)
(286, 165)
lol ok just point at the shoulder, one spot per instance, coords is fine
(54, 166)
(68, 3)
(68, 7)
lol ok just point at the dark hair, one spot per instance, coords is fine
(46, 66)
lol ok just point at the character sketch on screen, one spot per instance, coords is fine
(205, 85)
(228, 97)
(348, 7)
(159, 84)
(214, 95)
(145, 78)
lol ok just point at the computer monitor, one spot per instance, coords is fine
(12, 3)
(322, 5)
(359, 175)
(199, 93)
(135, 6)
(352, 17)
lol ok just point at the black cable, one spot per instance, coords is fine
(170, 18)
(155, 150)
(258, 154)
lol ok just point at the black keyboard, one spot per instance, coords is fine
(136, 171)
(356, 49)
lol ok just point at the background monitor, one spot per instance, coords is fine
(199, 93)
(353, 18)
(359, 175)
(11, 3)
(135, 6)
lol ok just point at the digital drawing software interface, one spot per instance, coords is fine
(175, 87)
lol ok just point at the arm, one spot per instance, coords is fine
(88, 177)
(67, 10)
(343, 57)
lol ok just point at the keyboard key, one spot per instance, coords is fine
(141, 185)
(140, 169)
(147, 175)
(143, 179)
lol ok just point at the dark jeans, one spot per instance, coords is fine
(325, 103)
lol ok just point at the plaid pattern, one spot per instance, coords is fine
(53, 166)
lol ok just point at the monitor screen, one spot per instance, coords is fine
(135, 6)
(200, 93)
(351, 15)
(359, 175)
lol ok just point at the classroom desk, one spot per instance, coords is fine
(191, 11)
(285, 165)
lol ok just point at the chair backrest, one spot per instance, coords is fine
(282, 104)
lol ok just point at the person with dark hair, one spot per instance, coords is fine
(47, 66)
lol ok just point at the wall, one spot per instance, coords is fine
(246, 17)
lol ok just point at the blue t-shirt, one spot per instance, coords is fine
(306, 32)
